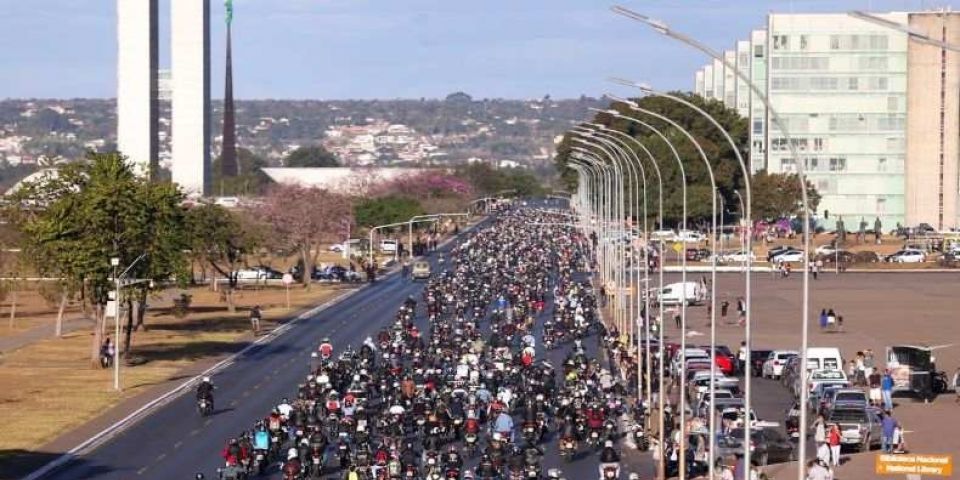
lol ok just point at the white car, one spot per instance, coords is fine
(773, 366)
(690, 236)
(388, 246)
(825, 250)
(908, 255)
(663, 235)
(336, 247)
(736, 257)
(794, 256)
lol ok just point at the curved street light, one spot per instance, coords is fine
(662, 28)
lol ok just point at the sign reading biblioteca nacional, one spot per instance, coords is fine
(914, 464)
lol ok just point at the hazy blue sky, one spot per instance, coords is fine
(331, 49)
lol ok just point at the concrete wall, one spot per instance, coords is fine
(137, 106)
(931, 160)
(190, 61)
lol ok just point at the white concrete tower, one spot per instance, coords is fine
(137, 106)
(190, 62)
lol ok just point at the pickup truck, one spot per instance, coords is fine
(859, 427)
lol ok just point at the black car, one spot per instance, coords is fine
(757, 357)
(773, 252)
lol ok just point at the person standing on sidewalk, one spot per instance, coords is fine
(886, 390)
(888, 426)
(833, 438)
(956, 385)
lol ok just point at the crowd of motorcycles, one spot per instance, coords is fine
(469, 396)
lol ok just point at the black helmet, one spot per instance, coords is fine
(199, 476)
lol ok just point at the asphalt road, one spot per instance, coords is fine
(175, 442)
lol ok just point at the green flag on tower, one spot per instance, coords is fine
(229, 5)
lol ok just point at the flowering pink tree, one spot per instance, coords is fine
(427, 184)
(303, 217)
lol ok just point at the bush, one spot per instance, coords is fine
(181, 305)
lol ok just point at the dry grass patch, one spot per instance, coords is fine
(48, 388)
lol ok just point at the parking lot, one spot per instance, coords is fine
(879, 310)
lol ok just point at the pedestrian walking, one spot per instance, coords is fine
(833, 438)
(886, 390)
(888, 427)
(874, 382)
(820, 430)
(823, 319)
(724, 305)
(255, 316)
(678, 319)
(831, 318)
(840, 323)
(742, 357)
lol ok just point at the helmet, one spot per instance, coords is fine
(314, 354)
(608, 444)
(199, 476)
(292, 453)
(206, 380)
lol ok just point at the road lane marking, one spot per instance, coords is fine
(208, 422)
(246, 394)
(161, 457)
(140, 472)
(178, 444)
(194, 432)
(233, 403)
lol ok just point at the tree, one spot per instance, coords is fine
(73, 223)
(303, 217)
(721, 157)
(371, 212)
(778, 195)
(487, 180)
(219, 238)
(251, 181)
(311, 156)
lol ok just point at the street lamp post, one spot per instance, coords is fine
(661, 28)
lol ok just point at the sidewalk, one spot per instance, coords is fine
(40, 332)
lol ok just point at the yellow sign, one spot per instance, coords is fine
(677, 247)
(914, 464)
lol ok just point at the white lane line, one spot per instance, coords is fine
(161, 457)
(177, 445)
(142, 470)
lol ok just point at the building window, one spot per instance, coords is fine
(758, 126)
(881, 206)
(758, 51)
(852, 83)
(838, 164)
(812, 164)
(803, 42)
(787, 165)
(781, 42)
(834, 42)
(818, 144)
(881, 164)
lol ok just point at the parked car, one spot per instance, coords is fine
(859, 427)
(678, 293)
(769, 445)
(846, 398)
(841, 256)
(790, 372)
(866, 256)
(335, 273)
(773, 366)
(257, 273)
(907, 255)
(388, 246)
(726, 360)
(737, 257)
(773, 252)
(757, 357)
(690, 236)
(663, 235)
(698, 255)
(821, 377)
(792, 256)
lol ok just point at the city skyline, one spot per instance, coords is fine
(297, 49)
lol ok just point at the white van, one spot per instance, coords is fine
(388, 246)
(678, 293)
(824, 358)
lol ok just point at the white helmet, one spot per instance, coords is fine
(292, 453)
(608, 444)
(206, 379)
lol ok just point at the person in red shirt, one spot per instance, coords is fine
(833, 438)
(234, 453)
(594, 418)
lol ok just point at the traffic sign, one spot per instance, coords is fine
(914, 464)
(287, 279)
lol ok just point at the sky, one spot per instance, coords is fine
(362, 49)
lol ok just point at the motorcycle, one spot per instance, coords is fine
(610, 472)
(531, 472)
(640, 438)
(568, 447)
(315, 468)
(204, 406)
(470, 444)
(530, 432)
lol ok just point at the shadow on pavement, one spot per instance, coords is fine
(16, 464)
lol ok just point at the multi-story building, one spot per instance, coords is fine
(874, 116)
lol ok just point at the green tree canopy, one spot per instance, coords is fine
(487, 180)
(220, 239)
(721, 157)
(75, 222)
(383, 210)
(251, 181)
(311, 156)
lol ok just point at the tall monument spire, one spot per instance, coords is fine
(229, 166)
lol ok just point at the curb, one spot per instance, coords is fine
(121, 425)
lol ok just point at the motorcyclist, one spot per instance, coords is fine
(609, 458)
(486, 468)
(504, 425)
(205, 391)
(233, 453)
(325, 349)
(292, 467)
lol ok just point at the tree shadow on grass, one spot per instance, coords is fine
(219, 324)
(189, 351)
(18, 463)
